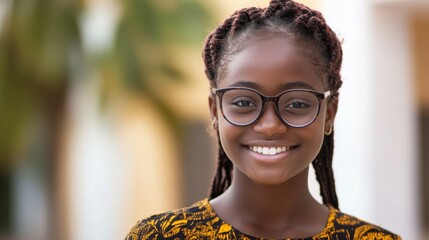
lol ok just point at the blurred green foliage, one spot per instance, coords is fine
(40, 43)
(35, 41)
(145, 37)
(38, 36)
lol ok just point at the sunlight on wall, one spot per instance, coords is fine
(153, 183)
(421, 39)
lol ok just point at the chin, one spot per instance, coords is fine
(274, 177)
(270, 179)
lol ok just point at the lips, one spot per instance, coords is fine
(270, 151)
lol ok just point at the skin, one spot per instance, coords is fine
(270, 198)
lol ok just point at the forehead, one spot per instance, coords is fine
(271, 63)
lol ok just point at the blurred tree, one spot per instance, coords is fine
(143, 55)
(36, 39)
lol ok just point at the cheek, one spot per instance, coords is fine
(316, 133)
(228, 133)
(230, 138)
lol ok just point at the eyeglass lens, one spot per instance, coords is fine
(296, 108)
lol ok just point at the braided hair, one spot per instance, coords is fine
(307, 26)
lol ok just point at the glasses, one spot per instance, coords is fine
(296, 108)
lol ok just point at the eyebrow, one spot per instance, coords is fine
(286, 86)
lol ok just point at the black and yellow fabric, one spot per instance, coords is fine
(200, 222)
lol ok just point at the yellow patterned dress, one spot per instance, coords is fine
(200, 222)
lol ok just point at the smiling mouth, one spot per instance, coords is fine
(270, 151)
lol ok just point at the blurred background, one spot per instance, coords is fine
(104, 117)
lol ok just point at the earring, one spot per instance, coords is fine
(214, 123)
(329, 133)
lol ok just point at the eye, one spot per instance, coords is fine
(243, 102)
(298, 103)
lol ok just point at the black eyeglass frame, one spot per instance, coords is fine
(320, 96)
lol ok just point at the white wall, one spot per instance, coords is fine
(396, 173)
(96, 173)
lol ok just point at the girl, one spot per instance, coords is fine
(274, 75)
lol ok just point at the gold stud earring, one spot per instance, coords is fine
(329, 133)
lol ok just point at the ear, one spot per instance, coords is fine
(331, 112)
(212, 106)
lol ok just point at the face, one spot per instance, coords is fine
(272, 66)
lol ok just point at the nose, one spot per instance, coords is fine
(269, 122)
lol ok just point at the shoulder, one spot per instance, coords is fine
(347, 226)
(177, 224)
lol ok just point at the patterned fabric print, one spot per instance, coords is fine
(200, 222)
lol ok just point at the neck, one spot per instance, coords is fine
(256, 202)
(271, 211)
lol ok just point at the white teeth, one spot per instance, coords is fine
(265, 151)
(269, 150)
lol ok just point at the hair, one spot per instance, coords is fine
(306, 26)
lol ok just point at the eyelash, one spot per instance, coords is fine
(302, 102)
(242, 99)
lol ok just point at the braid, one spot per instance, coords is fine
(324, 174)
(213, 49)
(223, 177)
(282, 17)
(216, 43)
(255, 14)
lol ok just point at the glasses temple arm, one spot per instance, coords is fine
(327, 94)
